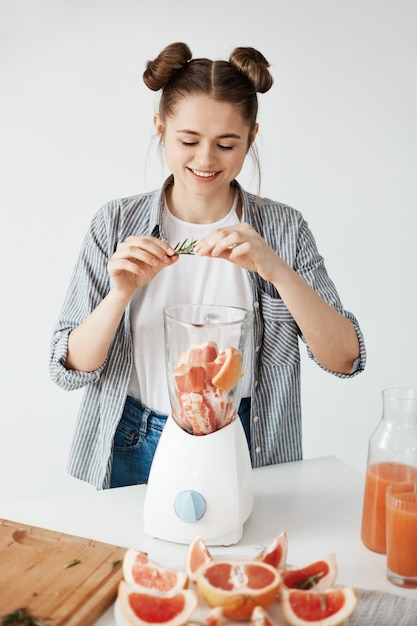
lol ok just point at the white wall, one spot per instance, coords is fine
(337, 141)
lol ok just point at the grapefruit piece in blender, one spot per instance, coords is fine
(203, 352)
(198, 412)
(317, 576)
(276, 553)
(189, 377)
(231, 369)
(199, 353)
(307, 608)
(198, 554)
(238, 586)
(143, 608)
(143, 574)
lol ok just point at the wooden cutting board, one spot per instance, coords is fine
(33, 574)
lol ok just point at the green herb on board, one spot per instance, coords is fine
(21, 617)
(72, 563)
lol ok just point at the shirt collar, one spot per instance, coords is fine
(155, 219)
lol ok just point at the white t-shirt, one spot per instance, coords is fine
(191, 280)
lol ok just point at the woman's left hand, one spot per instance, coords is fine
(243, 245)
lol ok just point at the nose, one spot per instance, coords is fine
(205, 156)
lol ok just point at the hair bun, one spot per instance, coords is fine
(254, 66)
(159, 71)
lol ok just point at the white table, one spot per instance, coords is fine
(318, 502)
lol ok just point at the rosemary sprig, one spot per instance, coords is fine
(185, 247)
(308, 582)
(20, 617)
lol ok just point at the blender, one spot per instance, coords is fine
(200, 481)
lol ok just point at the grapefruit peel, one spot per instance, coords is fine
(214, 617)
(198, 554)
(260, 617)
(146, 575)
(238, 586)
(231, 369)
(317, 576)
(309, 608)
(150, 608)
(276, 553)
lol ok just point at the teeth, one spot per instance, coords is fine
(203, 174)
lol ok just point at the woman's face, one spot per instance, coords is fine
(205, 142)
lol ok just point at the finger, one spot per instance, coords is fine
(146, 249)
(216, 243)
(226, 246)
(153, 244)
(117, 267)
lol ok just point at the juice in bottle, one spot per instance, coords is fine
(378, 477)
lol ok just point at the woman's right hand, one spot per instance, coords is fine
(135, 263)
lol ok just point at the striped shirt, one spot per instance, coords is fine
(275, 394)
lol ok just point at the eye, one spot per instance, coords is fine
(226, 147)
(189, 143)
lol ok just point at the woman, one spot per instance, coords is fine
(251, 252)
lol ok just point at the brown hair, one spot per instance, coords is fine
(236, 81)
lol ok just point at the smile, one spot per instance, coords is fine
(204, 174)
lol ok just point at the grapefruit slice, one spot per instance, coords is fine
(146, 608)
(199, 353)
(231, 369)
(214, 617)
(189, 377)
(145, 575)
(260, 617)
(203, 352)
(318, 576)
(308, 608)
(276, 553)
(195, 410)
(238, 586)
(198, 554)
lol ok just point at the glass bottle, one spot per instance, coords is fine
(392, 458)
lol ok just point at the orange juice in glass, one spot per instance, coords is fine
(378, 477)
(401, 516)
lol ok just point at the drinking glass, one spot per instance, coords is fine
(401, 520)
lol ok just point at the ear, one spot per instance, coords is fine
(254, 133)
(159, 126)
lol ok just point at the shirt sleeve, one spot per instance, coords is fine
(310, 266)
(88, 285)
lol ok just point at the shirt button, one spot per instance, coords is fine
(256, 418)
(257, 450)
(257, 348)
(256, 305)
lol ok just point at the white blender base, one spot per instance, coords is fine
(199, 485)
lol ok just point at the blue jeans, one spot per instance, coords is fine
(137, 436)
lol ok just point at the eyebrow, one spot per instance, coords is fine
(225, 136)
